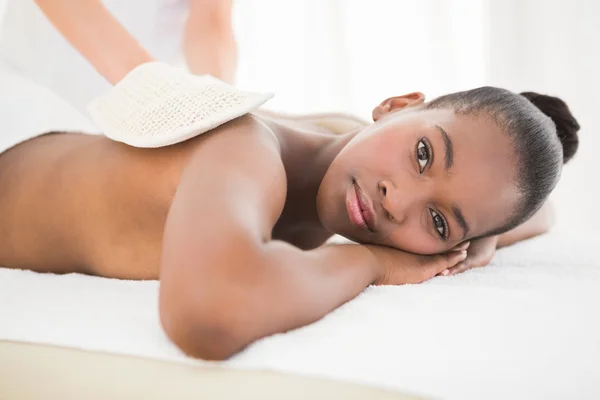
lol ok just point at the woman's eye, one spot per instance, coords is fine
(422, 155)
(440, 224)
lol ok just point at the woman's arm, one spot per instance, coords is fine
(97, 35)
(539, 223)
(209, 42)
(225, 283)
(481, 251)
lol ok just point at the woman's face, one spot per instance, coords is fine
(420, 180)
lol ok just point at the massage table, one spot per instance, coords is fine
(524, 327)
(34, 371)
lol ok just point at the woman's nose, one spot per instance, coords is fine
(395, 205)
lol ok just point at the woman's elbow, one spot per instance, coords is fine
(209, 332)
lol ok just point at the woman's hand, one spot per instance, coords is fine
(479, 254)
(398, 267)
(482, 251)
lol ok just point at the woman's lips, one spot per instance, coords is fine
(359, 209)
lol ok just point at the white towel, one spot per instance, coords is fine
(526, 327)
(158, 105)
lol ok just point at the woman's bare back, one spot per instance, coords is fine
(83, 203)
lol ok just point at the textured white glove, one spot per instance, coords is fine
(157, 105)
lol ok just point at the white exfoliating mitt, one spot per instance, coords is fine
(157, 105)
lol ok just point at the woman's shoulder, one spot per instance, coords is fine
(246, 130)
(334, 123)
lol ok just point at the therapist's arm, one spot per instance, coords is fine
(209, 43)
(97, 35)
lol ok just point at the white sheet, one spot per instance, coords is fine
(524, 328)
(28, 110)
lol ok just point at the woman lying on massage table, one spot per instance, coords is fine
(233, 221)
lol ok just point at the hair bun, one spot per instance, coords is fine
(566, 124)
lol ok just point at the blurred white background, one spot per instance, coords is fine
(348, 55)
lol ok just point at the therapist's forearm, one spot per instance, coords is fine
(209, 41)
(211, 52)
(97, 35)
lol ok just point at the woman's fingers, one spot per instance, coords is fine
(458, 249)
(462, 246)
(457, 269)
(443, 262)
(412, 268)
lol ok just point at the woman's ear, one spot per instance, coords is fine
(397, 103)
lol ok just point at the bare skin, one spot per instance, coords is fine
(208, 44)
(124, 192)
(232, 222)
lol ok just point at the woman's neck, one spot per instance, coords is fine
(306, 155)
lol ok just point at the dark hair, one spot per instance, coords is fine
(543, 132)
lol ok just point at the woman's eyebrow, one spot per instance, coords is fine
(449, 149)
